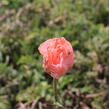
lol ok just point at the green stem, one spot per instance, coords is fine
(51, 3)
(55, 89)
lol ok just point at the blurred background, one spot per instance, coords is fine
(25, 24)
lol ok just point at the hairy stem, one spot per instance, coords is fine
(55, 89)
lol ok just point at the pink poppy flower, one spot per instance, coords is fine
(58, 56)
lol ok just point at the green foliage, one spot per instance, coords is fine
(25, 24)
